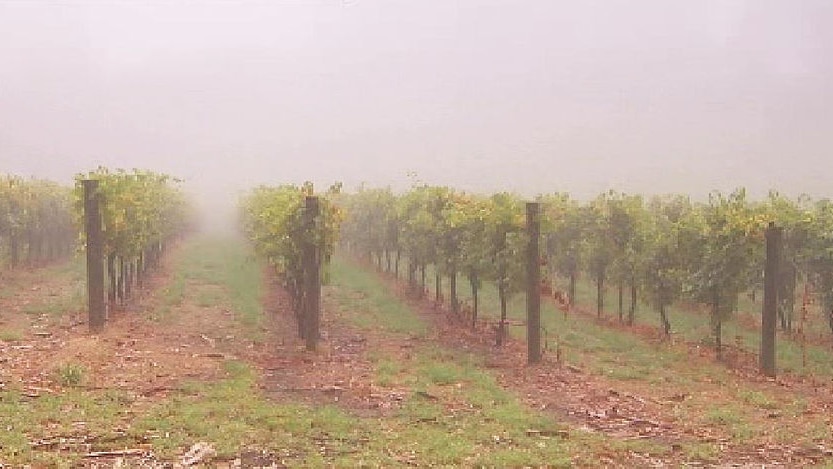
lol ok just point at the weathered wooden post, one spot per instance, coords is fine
(14, 211)
(312, 276)
(95, 256)
(533, 284)
(769, 312)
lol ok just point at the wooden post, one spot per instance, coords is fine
(769, 312)
(14, 253)
(805, 301)
(533, 284)
(120, 287)
(13, 212)
(111, 280)
(312, 276)
(95, 256)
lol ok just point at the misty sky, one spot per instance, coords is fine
(529, 96)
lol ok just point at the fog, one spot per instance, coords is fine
(528, 96)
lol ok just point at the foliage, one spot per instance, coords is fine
(139, 208)
(35, 214)
(273, 219)
(666, 249)
(456, 232)
(669, 234)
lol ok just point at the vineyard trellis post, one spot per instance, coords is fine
(312, 279)
(95, 255)
(533, 283)
(770, 306)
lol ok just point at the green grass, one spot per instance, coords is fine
(9, 335)
(706, 452)
(456, 412)
(206, 298)
(172, 296)
(689, 324)
(453, 412)
(758, 399)
(580, 340)
(76, 266)
(227, 263)
(70, 374)
(692, 324)
(583, 342)
(26, 420)
(723, 416)
(386, 370)
(217, 272)
(628, 359)
(51, 304)
(733, 420)
(355, 289)
(232, 415)
(70, 301)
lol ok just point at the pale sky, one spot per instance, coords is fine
(529, 96)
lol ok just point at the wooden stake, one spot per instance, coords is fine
(95, 255)
(312, 277)
(769, 312)
(533, 284)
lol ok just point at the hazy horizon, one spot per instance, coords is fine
(529, 97)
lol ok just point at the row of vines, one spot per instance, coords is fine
(658, 251)
(36, 221)
(295, 232)
(479, 238)
(140, 212)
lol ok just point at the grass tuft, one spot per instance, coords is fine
(70, 374)
(9, 335)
